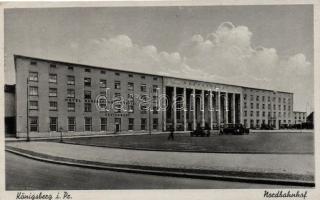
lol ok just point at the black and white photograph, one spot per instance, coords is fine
(158, 97)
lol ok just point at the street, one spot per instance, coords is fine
(27, 174)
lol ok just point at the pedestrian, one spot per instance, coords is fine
(171, 136)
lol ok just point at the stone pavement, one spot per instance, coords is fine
(299, 164)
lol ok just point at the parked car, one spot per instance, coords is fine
(200, 132)
(234, 129)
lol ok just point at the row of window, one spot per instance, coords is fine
(264, 107)
(71, 107)
(284, 100)
(259, 123)
(264, 114)
(53, 124)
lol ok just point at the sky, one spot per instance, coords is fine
(266, 46)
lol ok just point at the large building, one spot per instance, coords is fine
(54, 96)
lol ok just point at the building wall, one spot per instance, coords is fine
(265, 106)
(299, 117)
(23, 67)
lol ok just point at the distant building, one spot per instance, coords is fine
(299, 117)
(10, 109)
(64, 96)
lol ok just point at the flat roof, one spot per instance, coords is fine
(142, 73)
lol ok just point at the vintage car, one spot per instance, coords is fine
(234, 129)
(200, 132)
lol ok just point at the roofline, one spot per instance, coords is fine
(142, 73)
(300, 111)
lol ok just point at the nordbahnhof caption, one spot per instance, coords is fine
(54, 96)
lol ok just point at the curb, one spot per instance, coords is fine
(163, 172)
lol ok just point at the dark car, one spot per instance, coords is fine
(234, 129)
(200, 132)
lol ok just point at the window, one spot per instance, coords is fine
(251, 105)
(263, 106)
(251, 123)
(53, 66)
(117, 85)
(251, 97)
(33, 91)
(258, 113)
(284, 107)
(269, 114)
(87, 82)
(244, 96)
(87, 124)
(53, 92)
(53, 105)
(279, 114)
(251, 113)
(155, 124)
(103, 124)
(274, 106)
(263, 98)
(71, 124)
(269, 106)
(53, 123)
(70, 68)
(102, 72)
(130, 86)
(143, 106)
(33, 124)
(71, 106)
(70, 80)
(279, 99)
(245, 123)
(130, 124)
(245, 113)
(87, 70)
(279, 106)
(257, 106)
(33, 105)
(130, 75)
(87, 107)
(154, 88)
(143, 124)
(70, 93)
(269, 99)
(245, 105)
(258, 123)
(33, 76)
(263, 114)
(143, 87)
(103, 83)
(257, 98)
(87, 94)
(284, 100)
(143, 77)
(117, 74)
(32, 62)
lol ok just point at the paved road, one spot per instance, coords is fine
(26, 174)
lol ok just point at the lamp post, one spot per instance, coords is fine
(28, 136)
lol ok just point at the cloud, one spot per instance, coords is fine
(226, 55)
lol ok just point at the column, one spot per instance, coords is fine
(219, 108)
(174, 101)
(194, 108)
(210, 109)
(202, 108)
(164, 109)
(233, 108)
(226, 108)
(185, 109)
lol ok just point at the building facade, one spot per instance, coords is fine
(10, 109)
(299, 117)
(54, 96)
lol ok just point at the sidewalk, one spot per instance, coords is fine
(277, 167)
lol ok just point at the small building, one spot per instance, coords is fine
(299, 117)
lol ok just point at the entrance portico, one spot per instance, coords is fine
(194, 103)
